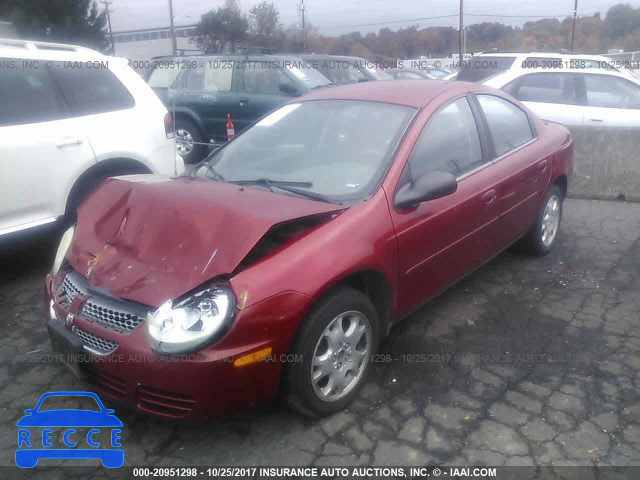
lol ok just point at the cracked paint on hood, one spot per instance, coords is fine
(148, 239)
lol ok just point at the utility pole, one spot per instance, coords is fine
(304, 29)
(573, 28)
(172, 30)
(106, 7)
(461, 35)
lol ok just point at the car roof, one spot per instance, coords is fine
(326, 55)
(509, 75)
(400, 92)
(31, 49)
(542, 54)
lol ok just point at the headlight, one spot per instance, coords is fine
(63, 248)
(199, 320)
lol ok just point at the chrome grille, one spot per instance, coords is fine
(95, 344)
(114, 314)
(106, 313)
(71, 286)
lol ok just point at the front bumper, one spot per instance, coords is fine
(190, 386)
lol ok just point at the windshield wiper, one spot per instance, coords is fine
(287, 186)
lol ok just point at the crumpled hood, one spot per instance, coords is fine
(149, 239)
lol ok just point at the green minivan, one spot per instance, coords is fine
(246, 87)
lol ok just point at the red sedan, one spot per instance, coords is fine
(280, 262)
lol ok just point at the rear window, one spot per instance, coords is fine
(92, 90)
(480, 68)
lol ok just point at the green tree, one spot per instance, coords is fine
(621, 20)
(68, 21)
(264, 26)
(222, 30)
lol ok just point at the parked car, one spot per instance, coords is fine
(343, 70)
(482, 66)
(163, 71)
(72, 117)
(288, 253)
(415, 74)
(246, 87)
(595, 97)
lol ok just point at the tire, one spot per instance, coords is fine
(344, 308)
(543, 236)
(186, 133)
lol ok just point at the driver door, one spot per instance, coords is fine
(441, 240)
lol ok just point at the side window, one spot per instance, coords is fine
(544, 88)
(218, 76)
(611, 92)
(163, 77)
(508, 124)
(92, 90)
(29, 95)
(264, 78)
(449, 143)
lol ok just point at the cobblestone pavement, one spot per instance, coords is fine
(527, 361)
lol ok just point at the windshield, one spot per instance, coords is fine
(335, 149)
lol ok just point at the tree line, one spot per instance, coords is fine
(228, 28)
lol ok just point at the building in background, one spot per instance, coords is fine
(142, 45)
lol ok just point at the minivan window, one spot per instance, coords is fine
(92, 90)
(29, 95)
(477, 69)
(508, 124)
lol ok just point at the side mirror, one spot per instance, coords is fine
(288, 89)
(426, 187)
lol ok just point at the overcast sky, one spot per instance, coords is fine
(335, 17)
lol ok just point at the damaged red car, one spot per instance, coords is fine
(278, 264)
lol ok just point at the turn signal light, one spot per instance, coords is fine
(252, 357)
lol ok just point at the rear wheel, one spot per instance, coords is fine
(542, 237)
(335, 342)
(189, 141)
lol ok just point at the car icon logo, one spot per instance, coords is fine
(69, 319)
(35, 430)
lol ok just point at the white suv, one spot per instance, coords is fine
(69, 118)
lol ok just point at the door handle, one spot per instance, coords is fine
(490, 197)
(599, 120)
(544, 166)
(69, 141)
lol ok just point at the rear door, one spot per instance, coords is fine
(550, 95)
(609, 101)
(43, 149)
(520, 164)
(441, 240)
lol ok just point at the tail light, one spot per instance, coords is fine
(168, 125)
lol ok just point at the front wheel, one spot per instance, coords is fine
(335, 342)
(542, 237)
